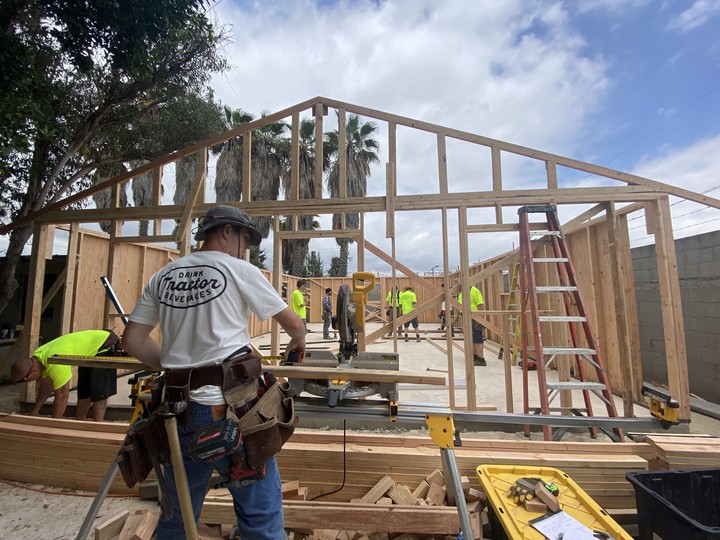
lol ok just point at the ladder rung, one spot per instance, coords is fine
(555, 288)
(551, 259)
(567, 350)
(580, 385)
(561, 318)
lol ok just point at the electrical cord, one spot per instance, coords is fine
(344, 467)
(52, 492)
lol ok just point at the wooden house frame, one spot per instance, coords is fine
(599, 233)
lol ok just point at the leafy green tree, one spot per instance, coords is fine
(314, 265)
(361, 152)
(80, 85)
(336, 268)
(258, 257)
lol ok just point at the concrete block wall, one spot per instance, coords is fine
(699, 270)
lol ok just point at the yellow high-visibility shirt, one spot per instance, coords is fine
(476, 299)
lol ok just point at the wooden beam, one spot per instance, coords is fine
(320, 111)
(430, 201)
(497, 179)
(299, 372)
(372, 248)
(390, 200)
(295, 158)
(351, 516)
(671, 306)
(467, 318)
(355, 234)
(197, 185)
(247, 167)
(618, 280)
(277, 283)
(342, 153)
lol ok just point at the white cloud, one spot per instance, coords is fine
(696, 15)
(509, 70)
(694, 167)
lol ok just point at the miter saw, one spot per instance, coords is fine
(349, 321)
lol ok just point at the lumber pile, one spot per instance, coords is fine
(72, 454)
(317, 461)
(677, 452)
(389, 510)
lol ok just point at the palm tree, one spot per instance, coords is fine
(297, 248)
(142, 190)
(102, 198)
(267, 165)
(361, 152)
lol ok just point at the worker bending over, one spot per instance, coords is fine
(95, 385)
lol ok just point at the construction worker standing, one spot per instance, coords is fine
(408, 301)
(299, 306)
(393, 309)
(476, 300)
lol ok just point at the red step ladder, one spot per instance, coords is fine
(585, 354)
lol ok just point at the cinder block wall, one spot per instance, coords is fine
(699, 269)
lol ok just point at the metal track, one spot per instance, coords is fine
(414, 414)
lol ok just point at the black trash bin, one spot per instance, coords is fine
(678, 504)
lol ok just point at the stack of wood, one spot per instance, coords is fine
(389, 510)
(677, 452)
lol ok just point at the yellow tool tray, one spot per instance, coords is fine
(496, 481)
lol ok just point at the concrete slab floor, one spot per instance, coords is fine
(31, 512)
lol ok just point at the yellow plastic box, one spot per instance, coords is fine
(497, 480)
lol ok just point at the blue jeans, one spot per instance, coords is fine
(258, 507)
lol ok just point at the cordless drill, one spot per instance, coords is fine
(221, 439)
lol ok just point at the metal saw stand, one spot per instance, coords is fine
(442, 432)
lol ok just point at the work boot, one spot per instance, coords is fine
(479, 360)
(406, 338)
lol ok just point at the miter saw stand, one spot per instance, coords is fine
(348, 321)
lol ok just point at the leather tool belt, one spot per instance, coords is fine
(263, 409)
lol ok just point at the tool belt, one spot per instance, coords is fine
(145, 445)
(263, 409)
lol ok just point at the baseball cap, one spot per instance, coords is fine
(220, 215)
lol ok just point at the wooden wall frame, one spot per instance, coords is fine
(589, 232)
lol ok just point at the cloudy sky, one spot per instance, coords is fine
(629, 84)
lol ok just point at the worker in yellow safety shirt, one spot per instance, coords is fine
(393, 305)
(476, 300)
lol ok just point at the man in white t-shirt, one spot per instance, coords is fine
(202, 303)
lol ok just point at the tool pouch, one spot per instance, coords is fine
(177, 389)
(145, 438)
(267, 425)
(238, 370)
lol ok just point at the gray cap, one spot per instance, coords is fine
(220, 215)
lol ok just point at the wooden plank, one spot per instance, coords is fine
(132, 522)
(111, 527)
(378, 490)
(350, 516)
(371, 375)
(401, 495)
(618, 281)
(146, 528)
(671, 305)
